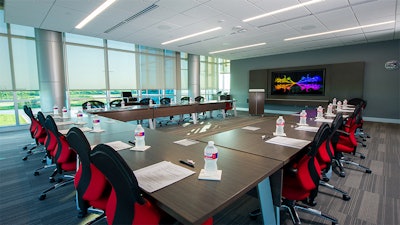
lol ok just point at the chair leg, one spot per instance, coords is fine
(345, 195)
(367, 170)
(290, 207)
(67, 179)
(317, 213)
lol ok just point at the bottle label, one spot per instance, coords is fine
(96, 121)
(79, 115)
(280, 124)
(212, 156)
(139, 134)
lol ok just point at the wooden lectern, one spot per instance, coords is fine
(256, 101)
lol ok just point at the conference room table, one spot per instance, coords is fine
(190, 200)
(152, 112)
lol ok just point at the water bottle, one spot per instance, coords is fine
(280, 124)
(339, 105)
(139, 136)
(55, 110)
(303, 117)
(64, 112)
(79, 116)
(123, 103)
(334, 101)
(345, 103)
(150, 102)
(320, 112)
(96, 123)
(330, 109)
(210, 158)
(88, 106)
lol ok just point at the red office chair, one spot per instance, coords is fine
(345, 141)
(302, 178)
(93, 190)
(360, 130)
(63, 156)
(37, 131)
(126, 205)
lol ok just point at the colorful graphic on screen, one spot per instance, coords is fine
(310, 82)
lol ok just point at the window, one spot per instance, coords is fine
(5, 70)
(121, 45)
(3, 25)
(22, 30)
(122, 70)
(25, 66)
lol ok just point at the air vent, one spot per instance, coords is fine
(144, 11)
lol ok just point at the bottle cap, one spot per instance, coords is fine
(211, 143)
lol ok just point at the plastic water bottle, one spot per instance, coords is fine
(320, 112)
(151, 102)
(64, 112)
(55, 110)
(88, 106)
(96, 123)
(210, 158)
(303, 117)
(339, 105)
(345, 103)
(139, 136)
(123, 103)
(280, 124)
(330, 109)
(79, 116)
(334, 101)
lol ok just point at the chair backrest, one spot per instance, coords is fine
(185, 99)
(123, 181)
(33, 126)
(199, 99)
(93, 104)
(165, 101)
(116, 103)
(41, 132)
(146, 101)
(90, 183)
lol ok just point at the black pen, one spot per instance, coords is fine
(131, 142)
(186, 163)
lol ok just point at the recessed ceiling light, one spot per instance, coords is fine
(191, 35)
(282, 10)
(241, 47)
(96, 12)
(339, 30)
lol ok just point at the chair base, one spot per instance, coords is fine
(345, 195)
(292, 207)
(66, 179)
(342, 160)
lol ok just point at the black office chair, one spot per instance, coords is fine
(116, 103)
(200, 99)
(37, 131)
(166, 101)
(146, 101)
(185, 100)
(94, 104)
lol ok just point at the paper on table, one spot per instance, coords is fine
(307, 128)
(140, 149)
(61, 123)
(83, 129)
(289, 142)
(96, 131)
(250, 128)
(160, 175)
(118, 145)
(345, 110)
(186, 142)
(323, 120)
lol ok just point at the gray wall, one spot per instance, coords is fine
(381, 86)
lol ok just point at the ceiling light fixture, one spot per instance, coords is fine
(282, 10)
(231, 49)
(337, 31)
(96, 12)
(191, 35)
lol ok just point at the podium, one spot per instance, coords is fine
(256, 101)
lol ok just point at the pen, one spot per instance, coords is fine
(131, 142)
(186, 163)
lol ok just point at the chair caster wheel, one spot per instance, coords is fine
(43, 161)
(364, 145)
(25, 158)
(36, 173)
(254, 214)
(362, 156)
(346, 197)
(52, 180)
(342, 174)
(42, 197)
(82, 214)
(368, 171)
(25, 148)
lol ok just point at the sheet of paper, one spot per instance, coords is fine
(250, 128)
(323, 120)
(345, 110)
(160, 175)
(307, 128)
(289, 142)
(186, 142)
(61, 123)
(118, 145)
(83, 129)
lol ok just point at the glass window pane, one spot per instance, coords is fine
(170, 73)
(7, 112)
(5, 70)
(22, 30)
(151, 72)
(85, 68)
(80, 39)
(122, 70)
(169, 53)
(121, 45)
(25, 66)
(3, 26)
(145, 49)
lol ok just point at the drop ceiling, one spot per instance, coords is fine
(172, 19)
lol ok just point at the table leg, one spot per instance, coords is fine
(152, 123)
(194, 117)
(270, 213)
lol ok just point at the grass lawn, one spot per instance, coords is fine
(9, 120)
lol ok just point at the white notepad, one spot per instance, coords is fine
(289, 142)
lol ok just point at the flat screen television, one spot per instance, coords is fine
(298, 82)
